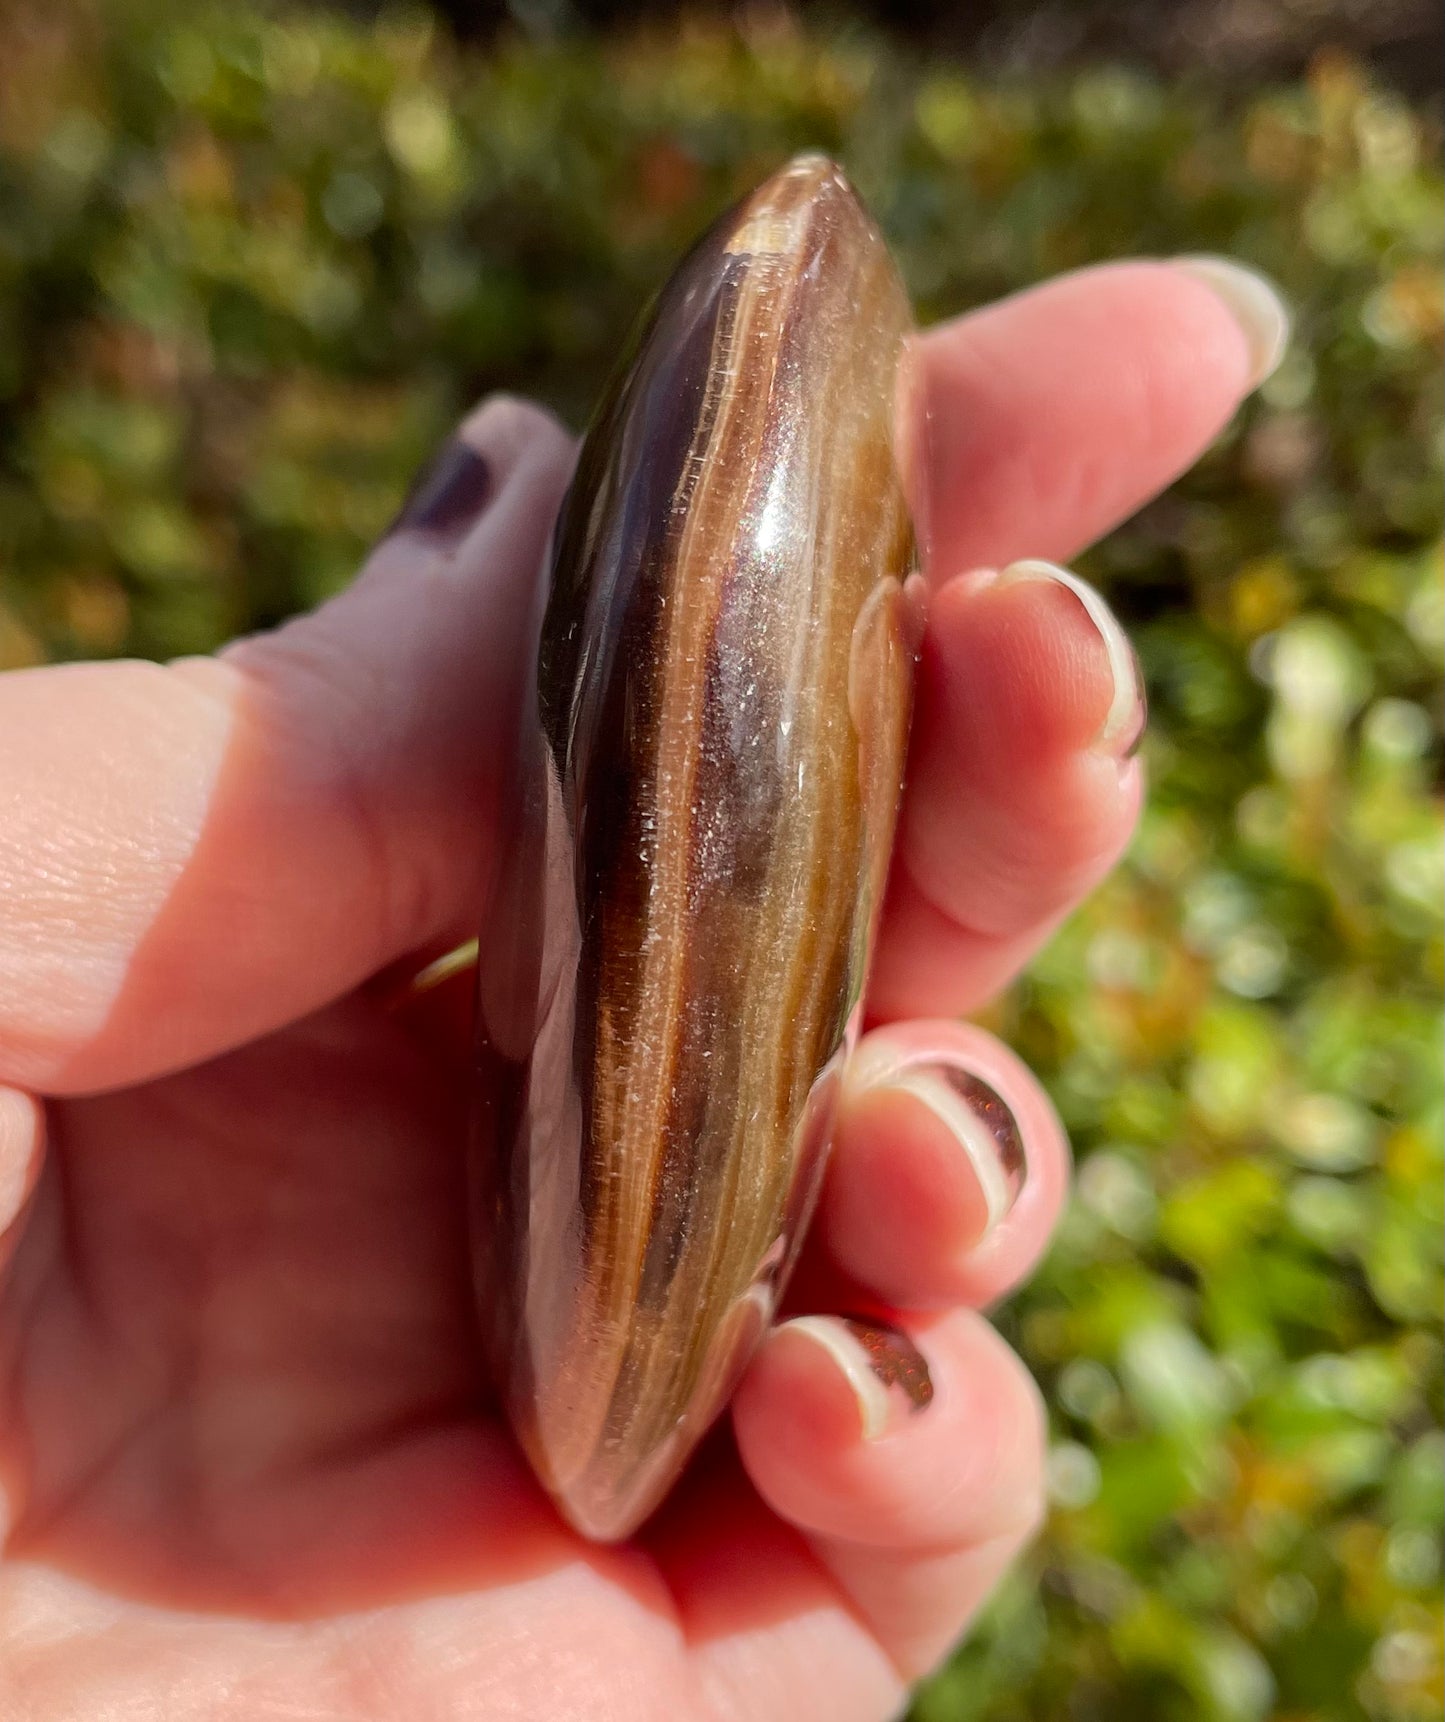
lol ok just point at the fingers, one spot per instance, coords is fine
(1050, 417)
(1054, 414)
(948, 1170)
(910, 1452)
(910, 1456)
(770, 1636)
(912, 1460)
(196, 853)
(1022, 789)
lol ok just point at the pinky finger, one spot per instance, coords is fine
(910, 1456)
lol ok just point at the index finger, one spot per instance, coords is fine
(1059, 411)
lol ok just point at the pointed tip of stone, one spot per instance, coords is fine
(820, 175)
(809, 192)
(815, 163)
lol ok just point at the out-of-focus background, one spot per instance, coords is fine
(255, 259)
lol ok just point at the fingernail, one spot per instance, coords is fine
(1255, 304)
(449, 495)
(1123, 727)
(885, 1369)
(975, 1115)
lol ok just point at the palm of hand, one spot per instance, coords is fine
(245, 1382)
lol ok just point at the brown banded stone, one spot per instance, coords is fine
(711, 757)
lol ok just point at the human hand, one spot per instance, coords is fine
(246, 1465)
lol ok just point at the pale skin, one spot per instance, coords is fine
(247, 1467)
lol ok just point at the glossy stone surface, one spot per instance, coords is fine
(712, 750)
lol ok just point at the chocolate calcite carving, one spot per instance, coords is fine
(711, 757)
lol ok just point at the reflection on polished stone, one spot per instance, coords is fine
(712, 749)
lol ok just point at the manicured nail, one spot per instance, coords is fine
(975, 1115)
(885, 1369)
(1255, 304)
(1123, 727)
(449, 495)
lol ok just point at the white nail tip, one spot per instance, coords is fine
(1253, 302)
(967, 1129)
(851, 1361)
(1123, 713)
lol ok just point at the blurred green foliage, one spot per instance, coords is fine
(252, 264)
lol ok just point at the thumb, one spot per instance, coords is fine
(196, 853)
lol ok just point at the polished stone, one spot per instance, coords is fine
(712, 751)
